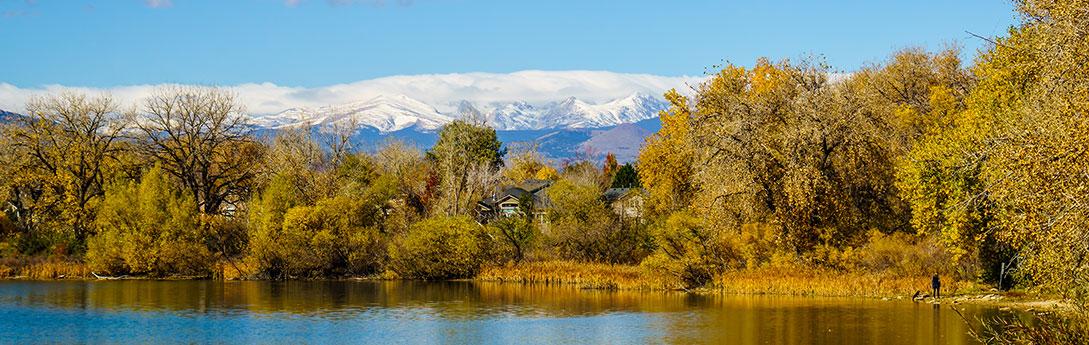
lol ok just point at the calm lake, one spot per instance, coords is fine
(135, 311)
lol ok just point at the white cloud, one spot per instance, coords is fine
(443, 91)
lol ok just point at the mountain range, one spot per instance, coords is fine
(391, 113)
(560, 130)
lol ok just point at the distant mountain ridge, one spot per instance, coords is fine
(556, 144)
(382, 112)
(9, 117)
(391, 113)
(624, 141)
(560, 129)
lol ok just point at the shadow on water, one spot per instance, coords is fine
(338, 311)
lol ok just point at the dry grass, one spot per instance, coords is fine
(42, 268)
(772, 281)
(827, 282)
(767, 280)
(584, 275)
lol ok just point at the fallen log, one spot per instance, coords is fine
(106, 277)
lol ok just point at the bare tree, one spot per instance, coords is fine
(339, 140)
(200, 136)
(465, 155)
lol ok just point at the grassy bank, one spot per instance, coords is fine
(773, 281)
(584, 275)
(776, 281)
(43, 268)
(834, 283)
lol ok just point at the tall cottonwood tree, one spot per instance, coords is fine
(199, 136)
(524, 164)
(1040, 168)
(781, 144)
(918, 92)
(667, 162)
(66, 148)
(1014, 163)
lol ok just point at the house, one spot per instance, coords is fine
(625, 202)
(512, 200)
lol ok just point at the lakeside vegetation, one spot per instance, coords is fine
(783, 177)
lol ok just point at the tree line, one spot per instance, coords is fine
(182, 185)
(917, 165)
(985, 165)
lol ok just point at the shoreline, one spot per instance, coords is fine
(607, 277)
(1026, 303)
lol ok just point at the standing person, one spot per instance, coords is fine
(936, 285)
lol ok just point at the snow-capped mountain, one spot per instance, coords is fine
(559, 129)
(387, 113)
(382, 112)
(574, 113)
(514, 116)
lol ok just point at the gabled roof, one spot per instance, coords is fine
(541, 201)
(534, 189)
(513, 192)
(614, 194)
(534, 185)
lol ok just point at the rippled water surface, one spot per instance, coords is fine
(134, 311)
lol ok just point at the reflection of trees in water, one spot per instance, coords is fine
(806, 320)
(444, 299)
(676, 317)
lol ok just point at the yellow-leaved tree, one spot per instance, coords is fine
(666, 162)
(149, 228)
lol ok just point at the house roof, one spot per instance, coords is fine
(534, 185)
(535, 189)
(513, 192)
(541, 200)
(614, 194)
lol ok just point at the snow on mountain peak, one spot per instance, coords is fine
(388, 113)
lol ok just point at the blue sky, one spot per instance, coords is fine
(308, 43)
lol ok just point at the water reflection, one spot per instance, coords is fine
(457, 312)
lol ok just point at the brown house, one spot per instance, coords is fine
(530, 196)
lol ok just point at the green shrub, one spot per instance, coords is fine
(582, 228)
(150, 228)
(331, 238)
(517, 236)
(441, 248)
(266, 218)
(341, 235)
(690, 251)
(327, 239)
